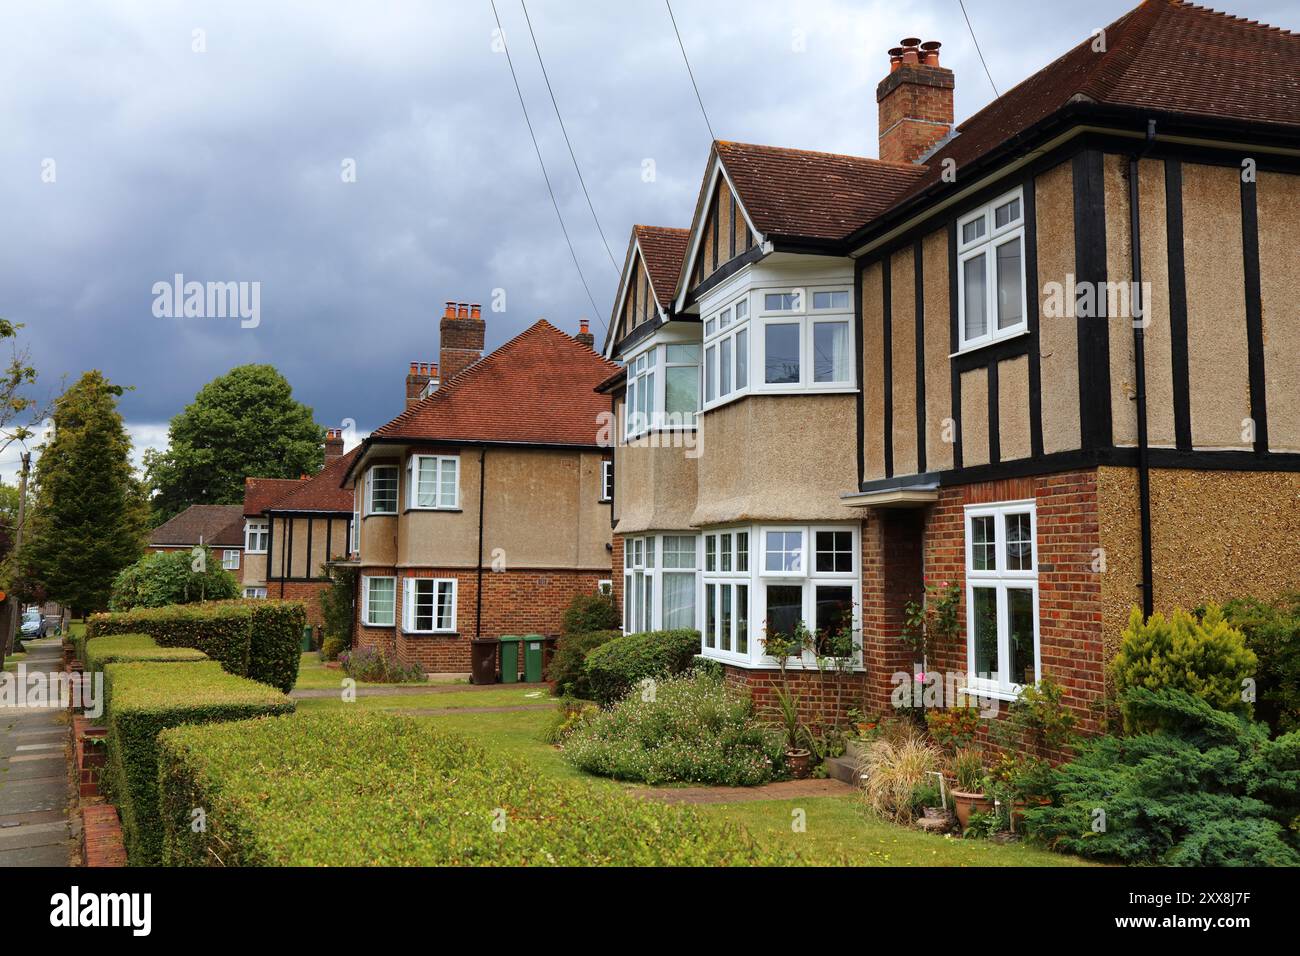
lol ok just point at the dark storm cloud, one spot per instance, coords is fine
(225, 165)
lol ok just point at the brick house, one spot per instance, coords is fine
(1047, 355)
(220, 527)
(292, 527)
(483, 508)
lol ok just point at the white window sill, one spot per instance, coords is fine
(996, 340)
(379, 514)
(991, 692)
(374, 624)
(440, 633)
(254, 552)
(768, 664)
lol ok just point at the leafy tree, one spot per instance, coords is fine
(175, 577)
(90, 513)
(1272, 630)
(245, 423)
(336, 602)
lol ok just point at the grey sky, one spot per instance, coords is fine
(225, 165)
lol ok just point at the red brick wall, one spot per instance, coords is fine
(891, 576)
(616, 575)
(914, 106)
(816, 693)
(518, 601)
(308, 592)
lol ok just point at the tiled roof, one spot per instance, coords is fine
(1165, 57)
(805, 194)
(663, 248)
(213, 524)
(321, 492)
(261, 493)
(538, 388)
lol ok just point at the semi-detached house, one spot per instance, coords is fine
(850, 375)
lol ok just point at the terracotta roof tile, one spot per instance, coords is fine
(261, 493)
(805, 194)
(538, 388)
(663, 248)
(213, 524)
(321, 492)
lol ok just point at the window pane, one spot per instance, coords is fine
(381, 601)
(648, 603)
(710, 374)
(784, 552)
(682, 394)
(834, 551)
(742, 309)
(679, 601)
(627, 603)
(1010, 313)
(781, 301)
(650, 552)
(679, 551)
(781, 354)
(422, 618)
(1020, 545)
(972, 230)
(985, 613)
(426, 486)
(742, 358)
(710, 552)
(742, 618)
(710, 326)
(724, 618)
(683, 354)
(724, 549)
(447, 472)
(724, 367)
(710, 614)
(383, 490)
(830, 300)
(724, 318)
(834, 612)
(742, 550)
(1006, 213)
(1020, 643)
(784, 608)
(830, 352)
(982, 545)
(976, 303)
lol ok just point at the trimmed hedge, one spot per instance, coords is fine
(121, 648)
(566, 667)
(334, 789)
(255, 639)
(616, 667)
(144, 699)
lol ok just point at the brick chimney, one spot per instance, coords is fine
(460, 338)
(584, 334)
(914, 101)
(333, 444)
(422, 379)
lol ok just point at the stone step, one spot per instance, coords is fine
(843, 768)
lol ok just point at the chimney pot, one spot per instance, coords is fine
(462, 310)
(415, 368)
(582, 326)
(930, 52)
(475, 311)
(449, 312)
(915, 104)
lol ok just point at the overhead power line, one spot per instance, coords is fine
(689, 72)
(538, 150)
(565, 131)
(996, 94)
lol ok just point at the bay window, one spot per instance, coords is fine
(378, 601)
(991, 271)
(1001, 597)
(663, 389)
(429, 605)
(381, 490)
(659, 582)
(433, 482)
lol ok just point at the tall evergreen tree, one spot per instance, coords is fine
(91, 515)
(243, 424)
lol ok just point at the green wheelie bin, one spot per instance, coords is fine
(510, 658)
(533, 644)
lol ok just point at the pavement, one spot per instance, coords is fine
(783, 790)
(35, 784)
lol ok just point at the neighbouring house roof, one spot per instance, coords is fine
(321, 492)
(1163, 57)
(261, 493)
(662, 249)
(537, 389)
(212, 524)
(798, 193)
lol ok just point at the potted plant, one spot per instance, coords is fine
(968, 785)
(798, 758)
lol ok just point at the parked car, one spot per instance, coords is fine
(33, 624)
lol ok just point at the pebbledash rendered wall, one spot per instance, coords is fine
(517, 601)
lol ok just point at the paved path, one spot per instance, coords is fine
(35, 792)
(784, 790)
(397, 690)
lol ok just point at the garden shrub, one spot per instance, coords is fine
(144, 699)
(616, 666)
(589, 612)
(162, 578)
(256, 639)
(121, 648)
(1208, 789)
(1272, 630)
(689, 729)
(894, 767)
(568, 716)
(332, 648)
(1206, 657)
(566, 667)
(372, 664)
(374, 789)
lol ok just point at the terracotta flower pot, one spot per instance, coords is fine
(966, 803)
(798, 763)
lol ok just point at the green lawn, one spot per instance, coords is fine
(13, 660)
(837, 831)
(314, 675)
(494, 697)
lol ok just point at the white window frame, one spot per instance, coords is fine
(354, 531)
(643, 563)
(370, 488)
(647, 376)
(606, 479)
(256, 532)
(987, 244)
(808, 579)
(605, 586)
(413, 481)
(365, 600)
(1001, 579)
(230, 559)
(257, 593)
(410, 589)
(737, 327)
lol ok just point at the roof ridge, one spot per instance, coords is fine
(1233, 17)
(819, 152)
